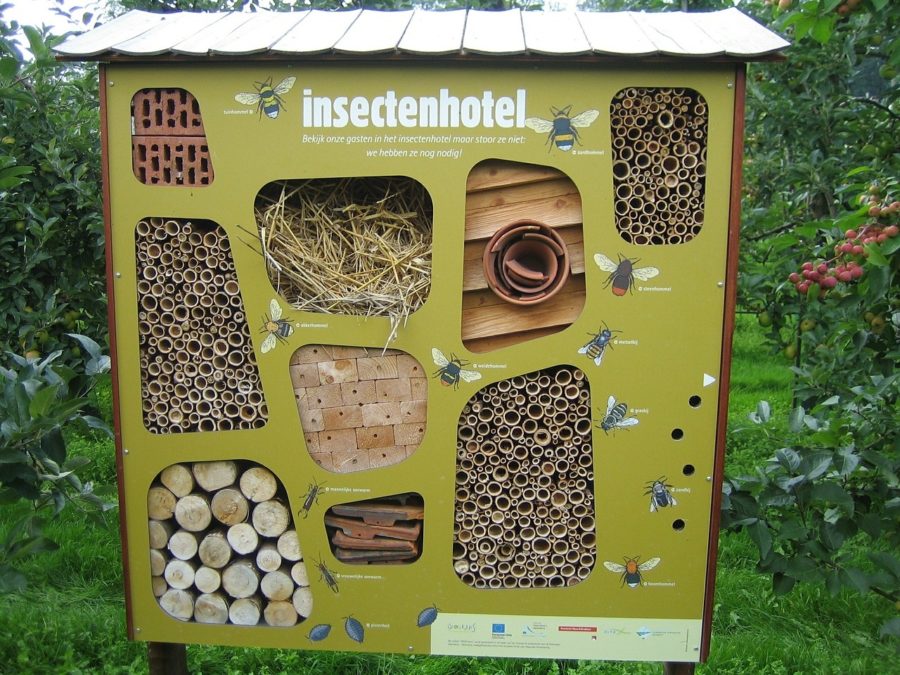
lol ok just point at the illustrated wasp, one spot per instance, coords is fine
(451, 370)
(561, 130)
(596, 346)
(660, 494)
(623, 273)
(615, 416)
(266, 97)
(278, 329)
(631, 570)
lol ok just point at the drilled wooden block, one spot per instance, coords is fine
(304, 375)
(326, 396)
(169, 112)
(386, 456)
(418, 389)
(393, 390)
(338, 440)
(323, 459)
(341, 370)
(344, 417)
(377, 368)
(409, 434)
(380, 414)
(312, 441)
(341, 352)
(353, 393)
(312, 420)
(413, 411)
(408, 367)
(375, 437)
(171, 160)
(345, 461)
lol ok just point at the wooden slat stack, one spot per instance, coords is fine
(498, 193)
(385, 530)
(223, 548)
(524, 514)
(359, 408)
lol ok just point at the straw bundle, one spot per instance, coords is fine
(348, 246)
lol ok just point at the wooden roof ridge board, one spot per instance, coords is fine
(471, 34)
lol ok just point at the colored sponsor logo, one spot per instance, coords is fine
(577, 629)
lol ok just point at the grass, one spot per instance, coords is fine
(71, 619)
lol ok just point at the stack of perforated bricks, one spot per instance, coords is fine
(359, 408)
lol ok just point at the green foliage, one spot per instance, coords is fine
(51, 226)
(39, 399)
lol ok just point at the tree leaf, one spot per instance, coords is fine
(41, 402)
(855, 579)
(91, 347)
(11, 580)
(795, 420)
(890, 627)
(830, 491)
(782, 583)
(815, 465)
(759, 533)
(886, 561)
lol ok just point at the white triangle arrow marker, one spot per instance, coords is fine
(708, 379)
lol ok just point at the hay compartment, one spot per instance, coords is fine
(353, 246)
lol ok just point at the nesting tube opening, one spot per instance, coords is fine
(526, 262)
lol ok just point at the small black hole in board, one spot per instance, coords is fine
(677, 434)
(688, 470)
(695, 401)
(678, 525)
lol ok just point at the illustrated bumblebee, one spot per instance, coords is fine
(266, 97)
(562, 129)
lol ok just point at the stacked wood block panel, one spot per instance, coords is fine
(198, 368)
(659, 138)
(499, 193)
(359, 408)
(168, 141)
(524, 513)
(223, 548)
(378, 531)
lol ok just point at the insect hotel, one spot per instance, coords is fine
(421, 324)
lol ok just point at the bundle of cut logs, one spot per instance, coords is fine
(387, 530)
(223, 548)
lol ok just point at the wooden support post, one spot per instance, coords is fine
(165, 658)
(678, 668)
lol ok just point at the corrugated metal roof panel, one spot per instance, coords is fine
(434, 32)
(374, 32)
(163, 36)
(454, 33)
(259, 33)
(554, 33)
(202, 42)
(494, 32)
(318, 32)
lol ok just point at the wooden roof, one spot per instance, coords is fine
(371, 34)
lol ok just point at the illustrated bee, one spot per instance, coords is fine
(451, 370)
(278, 329)
(266, 97)
(623, 273)
(615, 416)
(596, 346)
(660, 494)
(631, 571)
(561, 130)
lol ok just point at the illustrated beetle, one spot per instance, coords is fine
(660, 494)
(312, 497)
(631, 570)
(562, 129)
(451, 370)
(327, 576)
(596, 346)
(623, 273)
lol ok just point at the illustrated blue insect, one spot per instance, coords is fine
(562, 129)
(427, 616)
(615, 416)
(276, 329)
(631, 570)
(660, 494)
(319, 632)
(595, 348)
(451, 370)
(354, 629)
(266, 97)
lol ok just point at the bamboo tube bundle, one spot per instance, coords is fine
(348, 246)
(187, 290)
(223, 547)
(516, 499)
(359, 408)
(659, 160)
